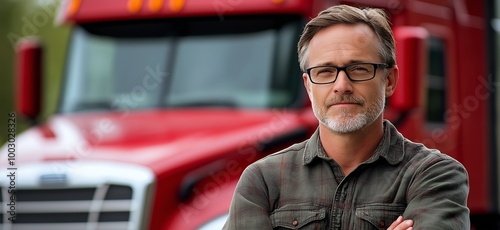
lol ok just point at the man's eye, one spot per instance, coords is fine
(359, 69)
(326, 70)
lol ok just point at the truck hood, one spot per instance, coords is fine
(150, 137)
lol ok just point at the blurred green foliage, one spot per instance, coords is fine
(30, 18)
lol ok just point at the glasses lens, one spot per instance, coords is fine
(323, 74)
(360, 72)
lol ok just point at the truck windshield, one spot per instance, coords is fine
(235, 62)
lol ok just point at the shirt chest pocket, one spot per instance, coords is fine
(298, 216)
(377, 216)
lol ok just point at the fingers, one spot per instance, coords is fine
(395, 223)
(401, 224)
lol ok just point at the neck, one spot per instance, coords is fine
(351, 149)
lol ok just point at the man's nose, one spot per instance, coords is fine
(342, 85)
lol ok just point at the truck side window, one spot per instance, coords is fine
(436, 81)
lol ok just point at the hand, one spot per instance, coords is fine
(399, 224)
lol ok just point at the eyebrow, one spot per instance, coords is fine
(348, 63)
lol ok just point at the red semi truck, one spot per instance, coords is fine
(165, 102)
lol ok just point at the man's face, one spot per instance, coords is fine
(344, 106)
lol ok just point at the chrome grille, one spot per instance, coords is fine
(86, 201)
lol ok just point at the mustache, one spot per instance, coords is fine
(344, 99)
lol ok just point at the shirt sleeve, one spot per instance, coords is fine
(250, 204)
(437, 197)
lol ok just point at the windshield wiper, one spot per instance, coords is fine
(93, 106)
(205, 103)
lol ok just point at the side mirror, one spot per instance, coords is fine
(411, 52)
(29, 77)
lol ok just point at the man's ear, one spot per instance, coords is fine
(306, 83)
(391, 81)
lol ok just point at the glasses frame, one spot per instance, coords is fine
(344, 68)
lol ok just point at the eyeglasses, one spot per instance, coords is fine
(355, 72)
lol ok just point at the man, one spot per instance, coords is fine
(356, 171)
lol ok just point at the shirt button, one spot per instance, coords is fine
(381, 224)
(295, 222)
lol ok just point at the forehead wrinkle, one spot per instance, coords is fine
(342, 45)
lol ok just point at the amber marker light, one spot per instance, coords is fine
(73, 7)
(176, 5)
(278, 1)
(134, 5)
(155, 5)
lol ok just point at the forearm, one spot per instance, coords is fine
(438, 197)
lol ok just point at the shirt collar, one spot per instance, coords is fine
(390, 147)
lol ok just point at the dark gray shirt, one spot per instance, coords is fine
(302, 188)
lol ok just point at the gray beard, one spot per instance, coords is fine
(345, 122)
